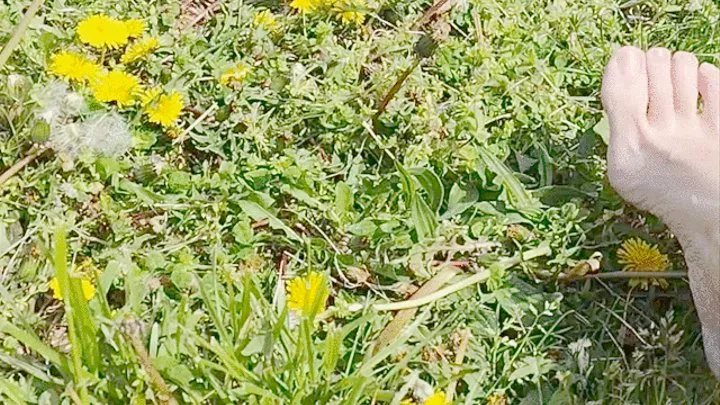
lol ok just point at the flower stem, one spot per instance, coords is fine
(635, 274)
(19, 165)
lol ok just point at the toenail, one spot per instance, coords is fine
(709, 70)
(659, 54)
(628, 61)
(685, 57)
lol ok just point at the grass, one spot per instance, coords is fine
(444, 171)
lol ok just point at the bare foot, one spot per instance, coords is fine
(664, 157)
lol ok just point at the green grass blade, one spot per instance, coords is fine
(19, 31)
(32, 342)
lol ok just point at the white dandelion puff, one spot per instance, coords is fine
(101, 134)
(57, 104)
(107, 134)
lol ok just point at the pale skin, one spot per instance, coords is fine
(664, 157)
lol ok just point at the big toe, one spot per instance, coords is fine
(625, 85)
(625, 99)
(709, 83)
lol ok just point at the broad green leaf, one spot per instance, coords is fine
(82, 332)
(459, 200)
(258, 213)
(432, 185)
(343, 199)
(423, 218)
(365, 227)
(146, 196)
(242, 231)
(518, 195)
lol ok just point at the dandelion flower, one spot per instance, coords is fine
(149, 95)
(139, 50)
(167, 110)
(497, 398)
(265, 19)
(437, 398)
(74, 66)
(304, 6)
(101, 31)
(234, 75)
(134, 28)
(116, 86)
(308, 295)
(350, 11)
(638, 256)
(88, 289)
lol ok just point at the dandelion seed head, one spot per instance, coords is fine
(56, 103)
(107, 134)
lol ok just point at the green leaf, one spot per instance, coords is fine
(331, 352)
(602, 128)
(531, 366)
(365, 227)
(430, 182)
(258, 213)
(343, 199)
(460, 200)
(242, 231)
(32, 342)
(144, 195)
(179, 180)
(519, 197)
(423, 218)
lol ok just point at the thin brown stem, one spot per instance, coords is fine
(394, 89)
(429, 13)
(165, 396)
(465, 336)
(19, 165)
(635, 274)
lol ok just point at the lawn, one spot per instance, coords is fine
(332, 201)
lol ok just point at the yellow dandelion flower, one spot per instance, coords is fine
(407, 402)
(166, 111)
(497, 398)
(88, 289)
(234, 75)
(139, 50)
(304, 6)
(351, 17)
(116, 86)
(134, 28)
(350, 11)
(74, 66)
(148, 96)
(265, 19)
(639, 256)
(437, 398)
(101, 31)
(308, 295)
